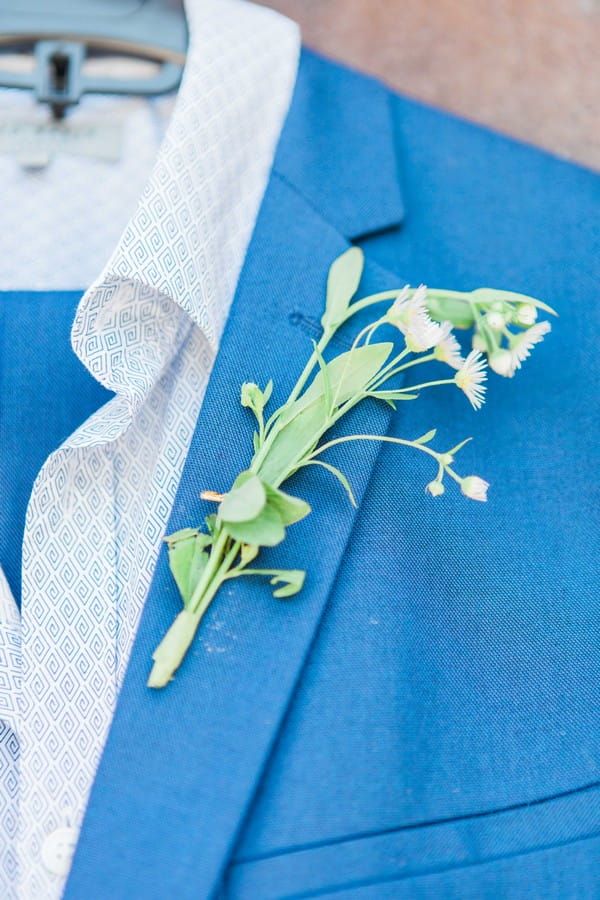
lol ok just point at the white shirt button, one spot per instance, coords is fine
(58, 849)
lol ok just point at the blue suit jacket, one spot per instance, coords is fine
(422, 720)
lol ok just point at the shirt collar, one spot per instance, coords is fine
(184, 246)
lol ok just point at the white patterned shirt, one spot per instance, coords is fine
(148, 329)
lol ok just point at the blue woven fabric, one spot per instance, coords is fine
(45, 394)
(422, 721)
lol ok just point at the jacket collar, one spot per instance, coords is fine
(338, 150)
(181, 766)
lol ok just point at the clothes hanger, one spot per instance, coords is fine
(61, 35)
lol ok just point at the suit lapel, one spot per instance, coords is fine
(181, 765)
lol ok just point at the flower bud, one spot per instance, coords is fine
(501, 361)
(435, 488)
(478, 343)
(474, 487)
(251, 394)
(495, 321)
(525, 314)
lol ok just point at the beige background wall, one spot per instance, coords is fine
(530, 68)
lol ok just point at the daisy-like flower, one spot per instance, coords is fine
(448, 351)
(410, 315)
(470, 378)
(522, 344)
(475, 488)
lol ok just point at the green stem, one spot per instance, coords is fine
(392, 295)
(388, 372)
(169, 654)
(214, 562)
(375, 437)
(489, 337)
(367, 329)
(370, 301)
(310, 365)
(385, 373)
(453, 474)
(274, 425)
(173, 647)
(418, 387)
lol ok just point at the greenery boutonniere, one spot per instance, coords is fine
(255, 512)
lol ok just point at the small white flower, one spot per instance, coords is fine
(525, 314)
(410, 315)
(470, 378)
(522, 344)
(435, 488)
(502, 362)
(474, 487)
(448, 351)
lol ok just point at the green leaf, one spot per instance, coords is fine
(339, 475)
(342, 283)
(187, 559)
(266, 530)
(305, 421)
(425, 438)
(181, 554)
(197, 567)
(349, 373)
(291, 509)
(459, 446)
(245, 500)
(294, 441)
(392, 396)
(292, 579)
(326, 381)
(490, 295)
(181, 535)
(211, 523)
(450, 309)
(248, 552)
(268, 391)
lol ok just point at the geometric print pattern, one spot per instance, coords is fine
(9, 810)
(93, 533)
(10, 691)
(148, 329)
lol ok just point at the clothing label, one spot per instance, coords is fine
(33, 141)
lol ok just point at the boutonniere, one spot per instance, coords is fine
(409, 328)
